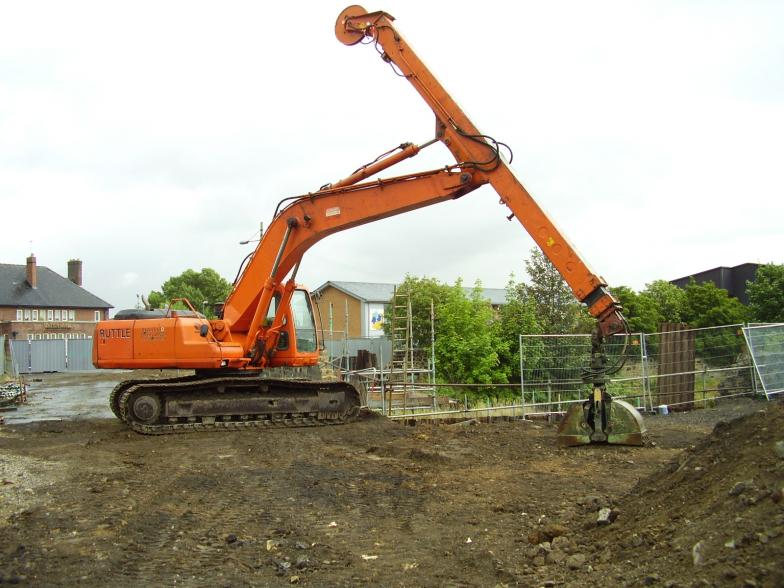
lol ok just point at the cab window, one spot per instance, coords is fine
(304, 325)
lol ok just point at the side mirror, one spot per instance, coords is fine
(204, 330)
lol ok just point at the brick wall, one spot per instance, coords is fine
(338, 299)
(82, 325)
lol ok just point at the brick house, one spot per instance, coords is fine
(37, 303)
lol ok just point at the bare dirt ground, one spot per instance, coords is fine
(86, 502)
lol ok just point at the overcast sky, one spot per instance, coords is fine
(147, 138)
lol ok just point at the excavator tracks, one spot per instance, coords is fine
(196, 403)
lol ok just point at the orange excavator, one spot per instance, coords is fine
(267, 320)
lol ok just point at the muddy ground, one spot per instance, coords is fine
(86, 502)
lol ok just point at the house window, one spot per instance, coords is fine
(27, 314)
(71, 315)
(35, 314)
(38, 335)
(97, 315)
(19, 314)
(57, 314)
(49, 314)
(29, 336)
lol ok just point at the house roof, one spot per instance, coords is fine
(374, 292)
(53, 290)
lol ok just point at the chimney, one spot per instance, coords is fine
(32, 272)
(75, 271)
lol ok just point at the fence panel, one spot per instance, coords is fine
(718, 363)
(766, 344)
(80, 354)
(20, 356)
(554, 366)
(676, 366)
(47, 356)
(721, 366)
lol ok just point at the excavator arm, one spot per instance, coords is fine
(475, 151)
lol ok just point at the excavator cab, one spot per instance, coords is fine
(298, 343)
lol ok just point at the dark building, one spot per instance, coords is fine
(37, 303)
(732, 279)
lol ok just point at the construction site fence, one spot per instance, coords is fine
(677, 367)
(672, 370)
(27, 356)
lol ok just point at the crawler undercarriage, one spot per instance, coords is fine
(199, 403)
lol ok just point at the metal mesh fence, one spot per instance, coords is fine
(553, 369)
(679, 368)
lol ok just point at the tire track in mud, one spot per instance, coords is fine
(186, 527)
(275, 513)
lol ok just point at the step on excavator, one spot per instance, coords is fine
(268, 321)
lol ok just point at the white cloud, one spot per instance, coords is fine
(150, 138)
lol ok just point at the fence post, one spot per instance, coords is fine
(433, 351)
(522, 379)
(383, 391)
(752, 371)
(647, 395)
(704, 384)
(549, 397)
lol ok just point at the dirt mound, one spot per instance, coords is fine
(715, 515)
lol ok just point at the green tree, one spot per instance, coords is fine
(709, 306)
(421, 292)
(517, 317)
(467, 346)
(203, 289)
(668, 298)
(640, 310)
(557, 310)
(766, 294)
